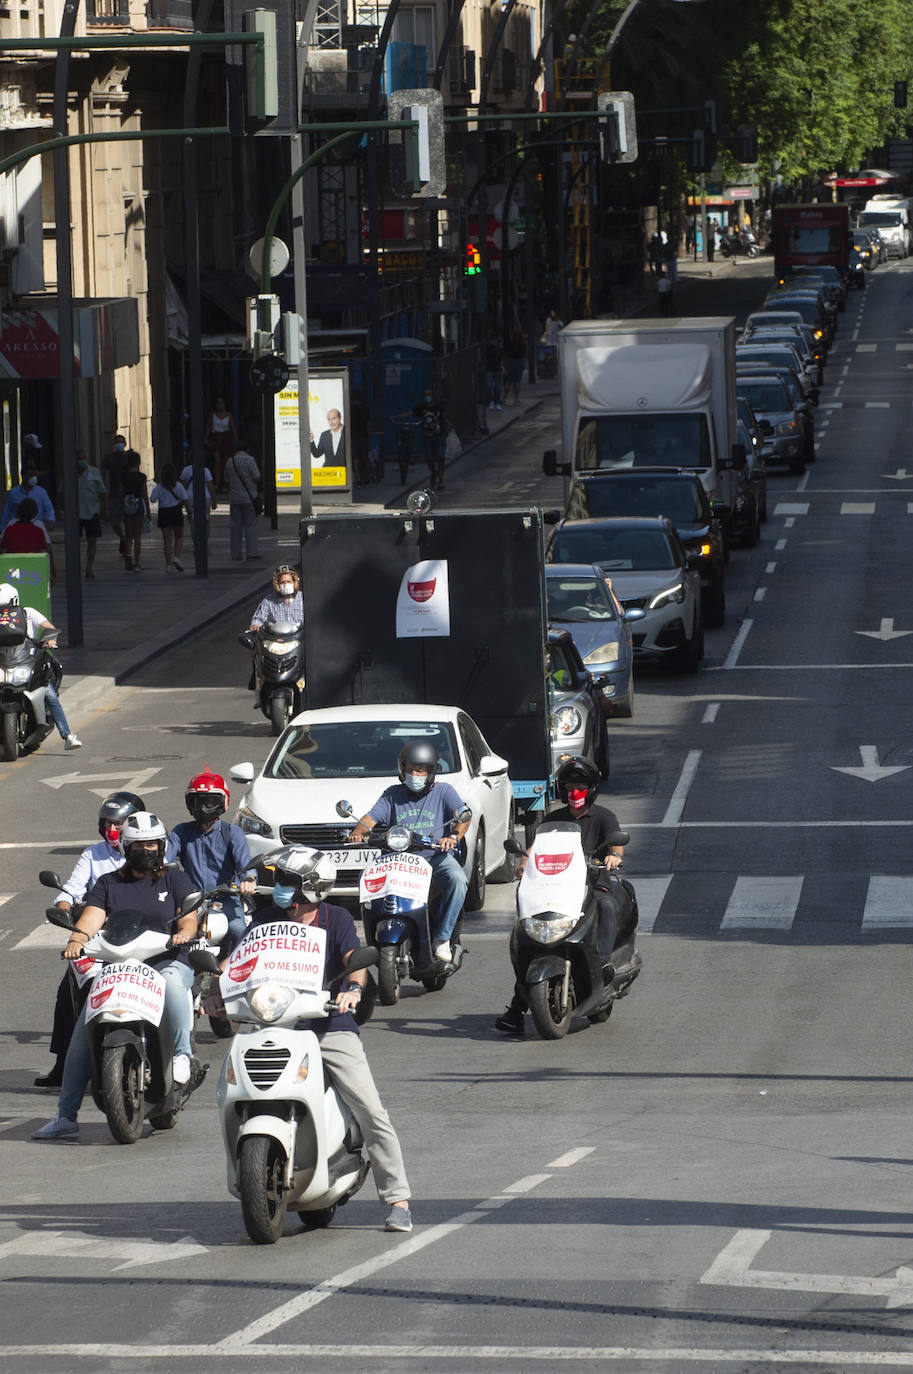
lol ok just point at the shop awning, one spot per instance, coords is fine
(105, 336)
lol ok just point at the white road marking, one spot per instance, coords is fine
(133, 781)
(6, 897)
(878, 405)
(857, 508)
(903, 347)
(134, 1253)
(762, 904)
(898, 476)
(738, 644)
(677, 801)
(888, 903)
(831, 405)
(710, 713)
(779, 546)
(789, 522)
(885, 631)
(866, 348)
(731, 1269)
(771, 567)
(526, 1185)
(44, 936)
(48, 844)
(792, 508)
(809, 667)
(871, 770)
(650, 894)
(572, 1157)
(760, 594)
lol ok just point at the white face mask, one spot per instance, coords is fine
(286, 589)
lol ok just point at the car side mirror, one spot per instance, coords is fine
(550, 462)
(492, 766)
(635, 613)
(739, 456)
(241, 772)
(551, 517)
(766, 427)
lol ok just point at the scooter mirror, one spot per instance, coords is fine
(203, 961)
(513, 846)
(366, 957)
(247, 640)
(464, 816)
(64, 919)
(344, 809)
(190, 902)
(48, 878)
(620, 839)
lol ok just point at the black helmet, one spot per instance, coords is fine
(114, 810)
(309, 871)
(575, 774)
(418, 753)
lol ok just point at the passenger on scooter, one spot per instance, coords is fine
(577, 782)
(302, 878)
(286, 605)
(92, 864)
(211, 851)
(427, 807)
(141, 885)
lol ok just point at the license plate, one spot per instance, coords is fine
(353, 858)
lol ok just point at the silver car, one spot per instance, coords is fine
(781, 421)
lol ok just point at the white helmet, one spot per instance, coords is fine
(143, 826)
(8, 594)
(309, 871)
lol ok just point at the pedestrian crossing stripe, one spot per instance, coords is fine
(763, 902)
(44, 936)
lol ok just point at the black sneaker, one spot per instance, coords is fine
(54, 1079)
(512, 1021)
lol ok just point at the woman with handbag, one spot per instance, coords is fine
(244, 504)
(136, 510)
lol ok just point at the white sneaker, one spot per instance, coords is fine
(443, 952)
(71, 742)
(180, 1068)
(169, 567)
(53, 1130)
(177, 565)
(498, 407)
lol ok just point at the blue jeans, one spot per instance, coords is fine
(237, 926)
(449, 886)
(494, 380)
(178, 1013)
(53, 704)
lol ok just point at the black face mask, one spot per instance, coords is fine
(203, 809)
(144, 860)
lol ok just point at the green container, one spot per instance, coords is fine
(30, 574)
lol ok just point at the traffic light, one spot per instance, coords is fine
(900, 95)
(745, 145)
(699, 151)
(418, 164)
(473, 265)
(712, 116)
(617, 126)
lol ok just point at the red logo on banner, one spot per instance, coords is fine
(241, 972)
(550, 864)
(97, 998)
(422, 591)
(375, 884)
(83, 965)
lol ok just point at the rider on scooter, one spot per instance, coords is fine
(212, 852)
(302, 878)
(426, 807)
(577, 782)
(286, 606)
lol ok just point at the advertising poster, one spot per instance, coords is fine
(423, 603)
(328, 447)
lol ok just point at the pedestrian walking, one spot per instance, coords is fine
(221, 439)
(112, 470)
(711, 240)
(186, 481)
(516, 362)
(244, 505)
(92, 499)
(670, 260)
(171, 496)
(136, 510)
(664, 291)
(494, 363)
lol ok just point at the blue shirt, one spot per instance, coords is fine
(92, 864)
(18, 495)
(212, 859)
(342, 939)
(425, 813)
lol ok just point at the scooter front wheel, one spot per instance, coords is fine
(278, 714)
(388, 976)
(264, 1199)
(551, 1013)
(122, 1092)
(9, 735)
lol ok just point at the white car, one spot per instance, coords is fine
(348, 753)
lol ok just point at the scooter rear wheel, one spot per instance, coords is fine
(264, 1199)
(388, 977)
(122, 1092)
(551, 1020)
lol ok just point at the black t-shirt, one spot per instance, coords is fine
(342, 938)
(596, 828)
(432, 418)
(157, 899)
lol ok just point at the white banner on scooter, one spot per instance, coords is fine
(396, 875)
(131, 989)
(279, 952)
(423, 603)
(85, 969)
(554, 878)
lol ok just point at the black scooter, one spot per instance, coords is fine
(278, 670)
(26, 668)
(553, 944)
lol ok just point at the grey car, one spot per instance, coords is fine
(580, 602)
(577, 722)
(780, 420)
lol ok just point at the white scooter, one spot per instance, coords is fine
(290, 1142)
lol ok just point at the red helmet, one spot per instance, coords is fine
(207, 796)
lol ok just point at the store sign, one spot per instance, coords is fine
(328, 445)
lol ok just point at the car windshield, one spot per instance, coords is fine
(782, 357)
(658, 440)
(578, 600)
(766, 393)
(679, 500)
(797, 305)
(881, 219)
(356, 748)
(620, 550)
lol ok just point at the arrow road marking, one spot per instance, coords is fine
(886, 631)
(77, 1244)
(871, 770)
(898, 476)
(131, 782)
(731, 1269)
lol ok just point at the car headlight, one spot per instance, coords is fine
(399, 837)
(671, 595)
(252, 824)
(567, 720)
(606, 653)
(270, 1001)
(16, 677)
(786, 427)
(548, 932)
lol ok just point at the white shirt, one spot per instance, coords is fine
(187, 483)
(35, 619)
(166, 499)
(92, 864)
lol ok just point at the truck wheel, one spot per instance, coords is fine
(9, 735)
(387, 977)
(475, 897)
(122, 1093)
(264, 1199)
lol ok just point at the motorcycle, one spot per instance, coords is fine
(278, 670)
(743, 242)
(130, 1045)
(290, 1141)
(26, 669)
(394, 898)
(553, 944)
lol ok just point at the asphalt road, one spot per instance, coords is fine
(720, 1177)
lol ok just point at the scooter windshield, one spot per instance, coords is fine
(15, 655)
(123, 926)
(554, 879)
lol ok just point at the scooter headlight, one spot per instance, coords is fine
(399, 837)
(276, 646)
(270, 1001)
(548, 932)
(16, 677)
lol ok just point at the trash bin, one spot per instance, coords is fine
(30, 574)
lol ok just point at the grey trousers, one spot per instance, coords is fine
(242, 525)
(346, 1063)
